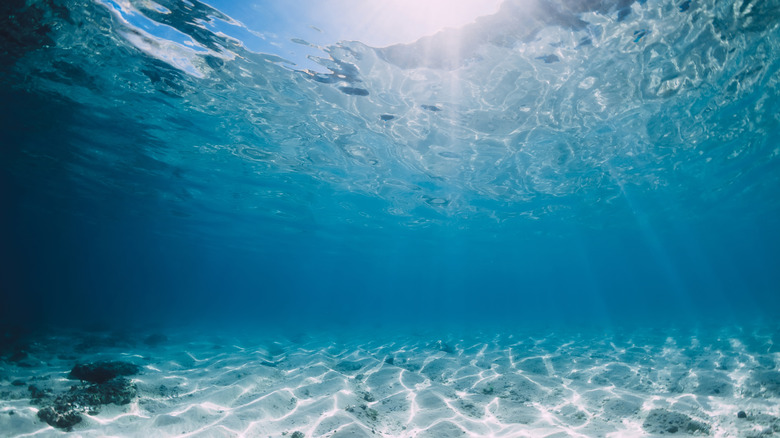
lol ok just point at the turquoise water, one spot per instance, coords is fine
(565, 161)
(303, 219)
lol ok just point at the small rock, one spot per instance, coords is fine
(65, 419)
(741, 414)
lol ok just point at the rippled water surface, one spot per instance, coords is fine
(602, 156)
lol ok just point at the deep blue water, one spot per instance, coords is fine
(573, 162)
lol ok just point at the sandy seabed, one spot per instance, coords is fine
(721, 382)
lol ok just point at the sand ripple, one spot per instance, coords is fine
(561, 384)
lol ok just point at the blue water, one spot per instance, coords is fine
(567, 162)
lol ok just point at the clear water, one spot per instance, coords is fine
(552, 165)
(574, 160)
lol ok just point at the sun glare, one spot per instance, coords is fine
(383, 23)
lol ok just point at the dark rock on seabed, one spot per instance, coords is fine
(105, 386)
(101, 372)
(64, 411)
(60, 418)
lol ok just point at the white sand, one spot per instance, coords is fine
(336, 385)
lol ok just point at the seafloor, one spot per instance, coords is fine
(721, 382)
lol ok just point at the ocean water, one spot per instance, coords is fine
(550, 218)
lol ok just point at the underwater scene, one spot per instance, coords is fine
(344, 218)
